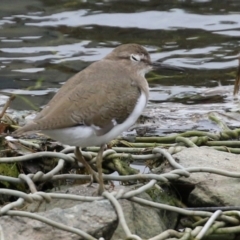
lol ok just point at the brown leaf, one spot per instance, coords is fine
(3, 127)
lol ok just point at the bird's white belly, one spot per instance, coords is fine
(84, 136)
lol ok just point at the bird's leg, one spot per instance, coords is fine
(99, 168)
(81, 159)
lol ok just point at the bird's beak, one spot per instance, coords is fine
(160, 65)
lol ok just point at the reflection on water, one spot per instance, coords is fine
(44, 42)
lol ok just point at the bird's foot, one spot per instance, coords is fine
(93, 177)
(110, 186)
(101, 188)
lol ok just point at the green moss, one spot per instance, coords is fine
(10, 170)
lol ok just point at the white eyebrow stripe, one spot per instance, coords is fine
(137, 56)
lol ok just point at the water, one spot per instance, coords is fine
(43, 43)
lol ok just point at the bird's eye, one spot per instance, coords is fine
(135, 58)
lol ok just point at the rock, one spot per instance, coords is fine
(146, 222)
(97, 218)
(207, 189)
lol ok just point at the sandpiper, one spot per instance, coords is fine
(99, 103)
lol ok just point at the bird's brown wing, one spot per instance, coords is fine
(71, 84)
(99, 99)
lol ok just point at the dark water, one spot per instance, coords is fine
(44, 42)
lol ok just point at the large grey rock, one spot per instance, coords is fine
(144, 221)
(209, 189)
(97, 218)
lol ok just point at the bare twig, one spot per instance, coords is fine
(6, 105)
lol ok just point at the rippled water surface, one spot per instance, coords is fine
(44, 42)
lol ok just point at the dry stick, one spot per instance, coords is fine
(237, 81)
(6, 105)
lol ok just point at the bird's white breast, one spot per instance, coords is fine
(84, 136)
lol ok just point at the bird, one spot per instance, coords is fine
(99, 103)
